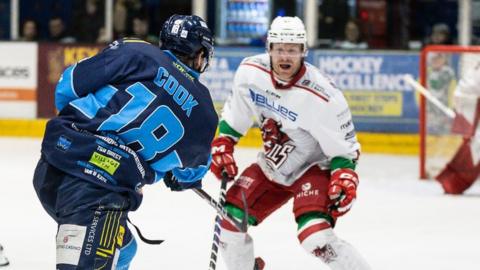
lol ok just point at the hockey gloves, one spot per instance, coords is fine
(342, 191)
(222, 157)
(172, 182)
(271, 134)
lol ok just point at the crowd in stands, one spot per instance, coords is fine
(338, 25)
(88, 24)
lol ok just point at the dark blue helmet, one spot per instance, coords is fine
(187, 36)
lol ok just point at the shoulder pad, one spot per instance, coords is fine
(123, 41)
(260, 60)
(315, 87)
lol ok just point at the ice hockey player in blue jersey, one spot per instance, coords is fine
(130, 116)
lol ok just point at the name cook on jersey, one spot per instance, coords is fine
(263, 101)
(180, 95)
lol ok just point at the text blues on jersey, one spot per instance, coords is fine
(263, 101)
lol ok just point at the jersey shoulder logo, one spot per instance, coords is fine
(315, 86)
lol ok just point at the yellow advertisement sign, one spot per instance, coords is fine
(374, 103)
(72, 55)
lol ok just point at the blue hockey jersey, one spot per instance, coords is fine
(132, 95)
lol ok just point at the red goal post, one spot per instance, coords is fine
(459, 57)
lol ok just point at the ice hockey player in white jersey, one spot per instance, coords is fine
(3, 260)
(310, 151)
(464, 168)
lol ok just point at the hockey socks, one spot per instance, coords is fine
(237, 250)
(318, 239)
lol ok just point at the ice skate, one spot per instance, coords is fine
(3, 260)
(259, 264)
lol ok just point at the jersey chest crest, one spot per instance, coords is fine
(271, 101)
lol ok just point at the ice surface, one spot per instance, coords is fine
(397, 223)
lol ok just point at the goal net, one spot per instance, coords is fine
(441, 67)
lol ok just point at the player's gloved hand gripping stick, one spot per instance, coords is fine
(173, 184)
(222, 157)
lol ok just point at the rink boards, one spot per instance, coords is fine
(371, 142)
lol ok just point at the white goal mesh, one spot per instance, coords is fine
(441, 69)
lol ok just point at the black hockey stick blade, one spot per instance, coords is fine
(148, 241)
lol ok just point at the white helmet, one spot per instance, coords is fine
(287, 30)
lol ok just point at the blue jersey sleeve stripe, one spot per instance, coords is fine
(188, 175)
(105, 94)
(90, 104)
(158, 176)
(65, 91)
(167, 163)
(142, 97)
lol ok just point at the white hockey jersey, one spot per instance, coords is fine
(312, 112)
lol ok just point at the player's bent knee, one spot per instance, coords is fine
(315, 234)
(126, 255)
(238, 214)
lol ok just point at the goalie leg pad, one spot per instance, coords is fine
(237, 250)
(460, 172)
(318, 239)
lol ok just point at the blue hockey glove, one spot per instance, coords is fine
(173, 184)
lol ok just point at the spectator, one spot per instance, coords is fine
(124, 12)
(440, 35)
(88, 21)
(29, 30)
(4, 19)
(120, 18)
(333, 16)
(140, 30)
(57, 32)
(102, 36)
(353, 38)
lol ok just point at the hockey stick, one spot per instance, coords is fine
(418, 87)
(245, 216)
(218, 219)
(143, 238)
(220, 210)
